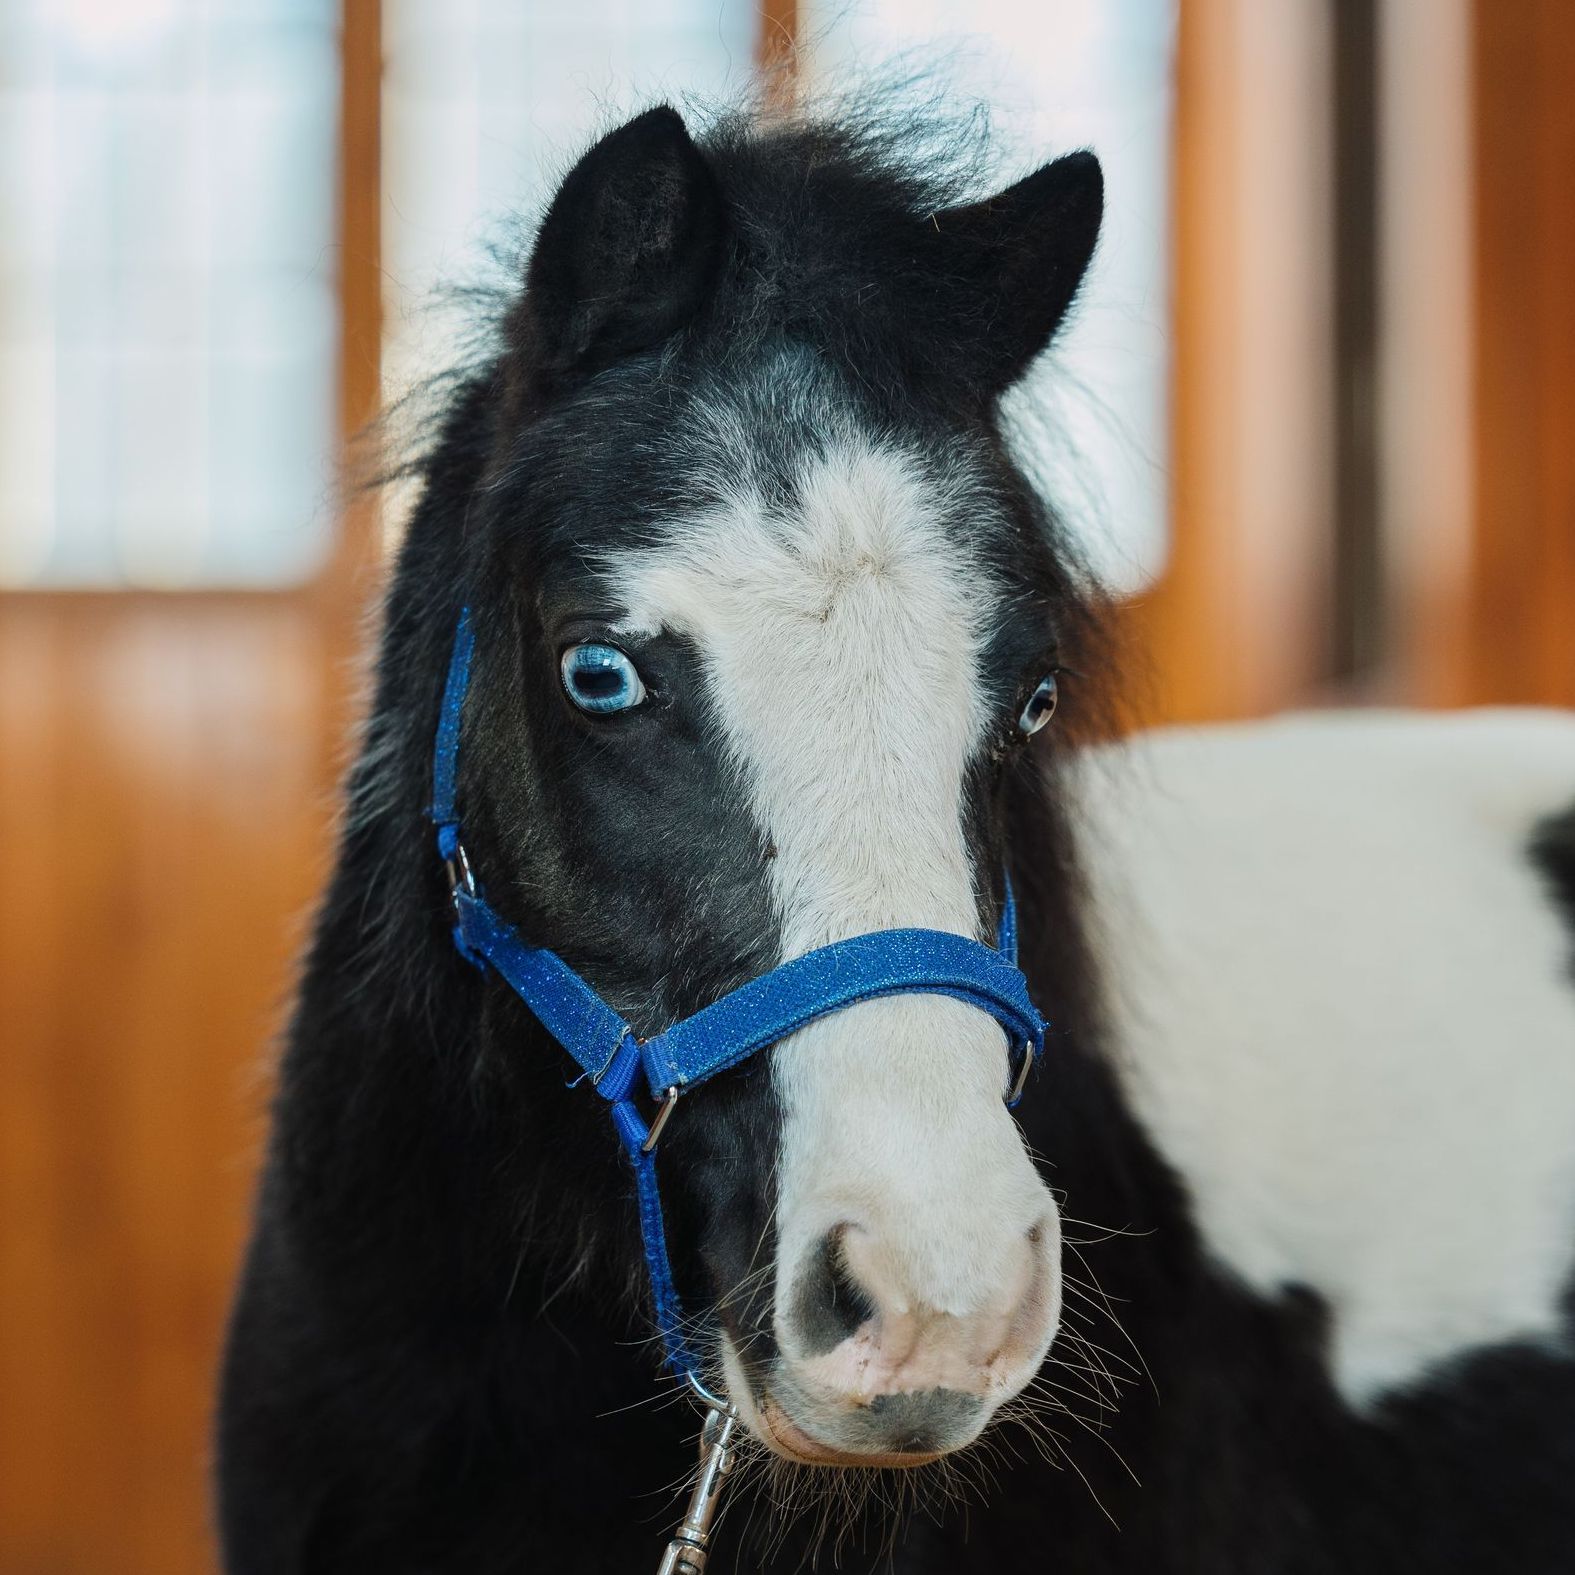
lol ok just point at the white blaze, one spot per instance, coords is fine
(842, 646)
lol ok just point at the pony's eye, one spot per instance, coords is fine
(601, 679)
(1041, 705)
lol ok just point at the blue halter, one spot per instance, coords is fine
(729, 1030)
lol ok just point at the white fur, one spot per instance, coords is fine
(841, 648)
(1343, 1009)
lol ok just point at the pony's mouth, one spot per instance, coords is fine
(872, 1436)
(785, 1437)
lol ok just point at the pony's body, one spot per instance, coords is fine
(1340, 1002)
(1310, 1098)
(1339, 1022)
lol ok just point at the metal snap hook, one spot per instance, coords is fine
(690, 1546)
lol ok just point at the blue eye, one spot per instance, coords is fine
(1041, 705)
(601, 679)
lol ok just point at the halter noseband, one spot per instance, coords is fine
(721, 1035)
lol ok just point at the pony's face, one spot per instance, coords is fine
(765, 640)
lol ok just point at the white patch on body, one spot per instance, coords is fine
(1342, 1007)
(841, 643)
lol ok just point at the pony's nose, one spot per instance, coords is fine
(877, 1369)
(892, 1430)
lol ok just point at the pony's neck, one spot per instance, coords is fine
(1075, 1117)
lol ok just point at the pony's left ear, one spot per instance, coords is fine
(627, 251)
(1023, 253)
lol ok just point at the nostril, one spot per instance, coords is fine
(829, 1304)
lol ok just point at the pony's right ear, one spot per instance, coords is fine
(1021, 256)
(627, 253)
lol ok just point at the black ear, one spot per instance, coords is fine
(1023, 253)
(628, 250)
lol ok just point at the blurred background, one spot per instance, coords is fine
(1316, 418)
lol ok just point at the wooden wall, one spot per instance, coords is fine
(1517, 604)
(1480, 586)
(1235, 624)
(162, 815)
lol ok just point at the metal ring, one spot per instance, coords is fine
(706, 1398)
(662, 1117)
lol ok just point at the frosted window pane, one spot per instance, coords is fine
(485, 102)
(167, 291)
(1057, 75)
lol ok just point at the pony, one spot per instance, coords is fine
(1271, 1269)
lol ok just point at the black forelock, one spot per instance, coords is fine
(828, 252)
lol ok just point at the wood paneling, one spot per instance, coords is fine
(1237, 622)
(778, 36)
(163, 818)
(1425, 373)
(1518, 636)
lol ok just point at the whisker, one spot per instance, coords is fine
(1104, 1300)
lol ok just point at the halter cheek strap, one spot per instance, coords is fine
(728, 1031)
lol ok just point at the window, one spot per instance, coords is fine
(485, 106)
(1058, 75)
(168, 301)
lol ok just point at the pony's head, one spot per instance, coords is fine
(765, 616)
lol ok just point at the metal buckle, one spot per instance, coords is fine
(460, 875)
(662, 1117)
(1020, 1081)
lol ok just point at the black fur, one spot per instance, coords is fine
(1553, 854)
(628, 252)
(438, 1359)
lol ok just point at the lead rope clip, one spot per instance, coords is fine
(690, 1547)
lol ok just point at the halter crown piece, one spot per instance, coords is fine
(721, 1035)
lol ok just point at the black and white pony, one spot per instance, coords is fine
(1272, 1271)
